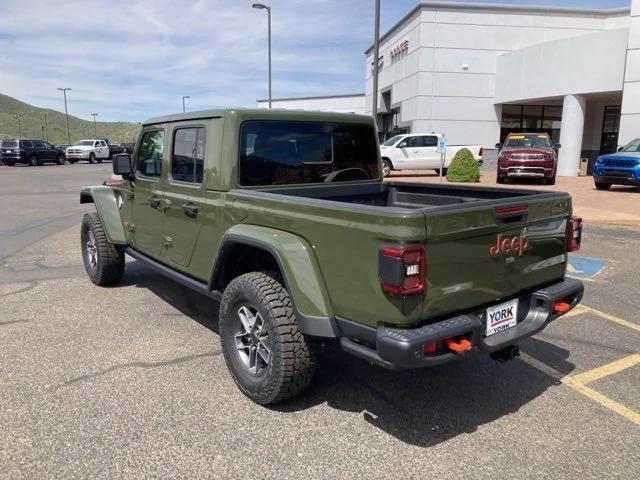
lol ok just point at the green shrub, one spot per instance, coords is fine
(463, 167)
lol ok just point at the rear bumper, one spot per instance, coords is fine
(403, 348)
(10, 158)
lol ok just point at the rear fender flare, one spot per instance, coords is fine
(108, 210)
(299, 270)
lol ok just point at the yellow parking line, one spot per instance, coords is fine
(608, 369)
(611, 318)
(579, 309)
(578, 382)
(605, 401)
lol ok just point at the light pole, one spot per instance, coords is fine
(184, 108)
(95, 129)
(19, 127)
(261, 6)
(66, 113)
(376, 54)
(84, 129)
(46, 127)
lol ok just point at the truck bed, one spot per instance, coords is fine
(408, 196)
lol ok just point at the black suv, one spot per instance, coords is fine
(32, 152)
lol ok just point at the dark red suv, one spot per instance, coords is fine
(527, 155)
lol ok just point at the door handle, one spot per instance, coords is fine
(190, 210)
(154, 201)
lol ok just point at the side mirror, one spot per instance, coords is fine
(402, 145)
(620, 149)
(558, 146)
(122, 166)
(498, 146)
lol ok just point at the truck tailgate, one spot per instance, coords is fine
(481, 254)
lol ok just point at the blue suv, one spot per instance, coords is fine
(620, 168)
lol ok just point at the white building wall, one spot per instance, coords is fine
(630, 118)
(339, 103)
(590, 63)
(431, 84)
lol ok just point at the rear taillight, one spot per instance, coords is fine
(574, 234)
(402, 269)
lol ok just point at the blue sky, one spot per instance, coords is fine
(133, 59)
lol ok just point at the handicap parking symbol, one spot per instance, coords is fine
(584, 267)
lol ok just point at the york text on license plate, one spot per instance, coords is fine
(501, 317)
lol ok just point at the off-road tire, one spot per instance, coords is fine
(292, 357)
(387, 168)
(109, 266)
(33, 161)
(61, 160)
(92, 158)
(603, 185)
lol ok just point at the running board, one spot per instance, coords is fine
(181, 278)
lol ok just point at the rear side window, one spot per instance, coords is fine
(9, 144)
(38, 144)
(26, 143)
(187, 161)
(149, 161)
(429, 141)
(287, 152)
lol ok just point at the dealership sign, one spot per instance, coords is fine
(399, 50)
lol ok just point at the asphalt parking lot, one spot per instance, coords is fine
(130, 381)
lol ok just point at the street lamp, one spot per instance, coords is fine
(46, 127)
(95, 129)
(376, 54)
(183, 105)
(84, 129)
(66, 113)
(261, 6)
(19, 127)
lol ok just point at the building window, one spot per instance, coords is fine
(531, 118)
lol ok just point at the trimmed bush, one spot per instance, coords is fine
(463, 167)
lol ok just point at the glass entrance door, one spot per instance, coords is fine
(610, 127)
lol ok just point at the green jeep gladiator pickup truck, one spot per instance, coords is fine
(283, 217)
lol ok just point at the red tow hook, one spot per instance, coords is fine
(457, 346)
(560, 306)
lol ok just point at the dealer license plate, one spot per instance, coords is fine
(501, 317)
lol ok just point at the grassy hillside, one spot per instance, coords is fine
(32, 124)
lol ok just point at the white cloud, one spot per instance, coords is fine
(132, 59)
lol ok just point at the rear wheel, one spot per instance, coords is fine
(603, 185)
(9, 164)
(268, 357)
(500, 179)
(386, 168)
(33, 161)
(60, 160)
(92, 158)
(103, 261)
(444, 171)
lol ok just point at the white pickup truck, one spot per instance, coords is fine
(419, 151)
(90, 150)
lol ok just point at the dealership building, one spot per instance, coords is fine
(477, 71)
